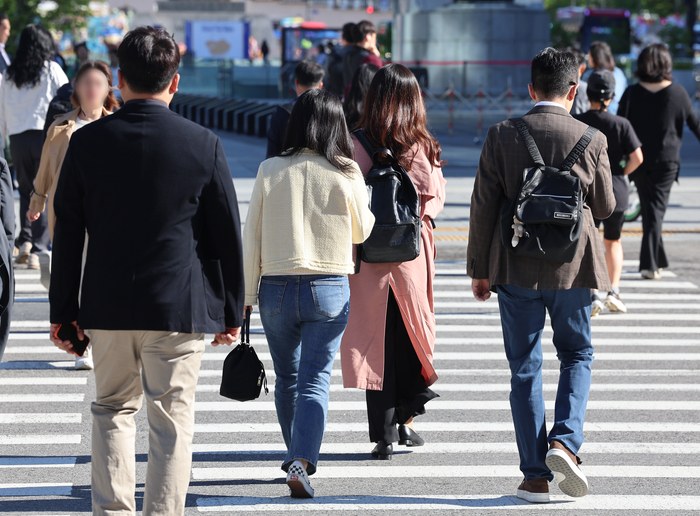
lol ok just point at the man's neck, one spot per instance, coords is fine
(165, 99)
(553, 102)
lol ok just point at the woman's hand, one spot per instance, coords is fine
(228, 337)
(33, 215)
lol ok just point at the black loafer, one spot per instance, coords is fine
(407, 437)
(383, 451)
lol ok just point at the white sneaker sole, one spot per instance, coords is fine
(84, 365)
(299, 488)
(596, 308)
(570, 478)
(615, 306)
(533, 497)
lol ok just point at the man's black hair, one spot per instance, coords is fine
(580, 56)
(148, 59)
(362, 29)
(3, 16)
(349, 32)
(553, 73)
(309, 73)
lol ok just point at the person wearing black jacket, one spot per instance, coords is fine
(164, 265)
(7, 243)
(658, 110)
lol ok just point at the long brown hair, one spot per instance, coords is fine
(110, 101)
(394, 116)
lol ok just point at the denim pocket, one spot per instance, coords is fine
(329, 297)
(271, 295)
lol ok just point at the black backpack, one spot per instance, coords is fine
(549, 204)
(394, 201)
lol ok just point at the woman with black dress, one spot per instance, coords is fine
(658, 109)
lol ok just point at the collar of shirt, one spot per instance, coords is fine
(547, 103)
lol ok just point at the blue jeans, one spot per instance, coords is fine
(304, 318)
(523, 319)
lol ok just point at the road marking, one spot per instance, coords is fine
(42, 349)
(429, 503)
(33, 380)
(630, 275)
(471, 305)
(30, 336)
(36, 489)
(37, 364)
(635, 296)
(29, 288)
(40, 417)
(459, 447)
(693, 330)
(597, 341)
(345, 472)
(450, 426)
(608, 317)
(624, 283)
(37, 462)
(361, 406)
(23, 439)
(41, 398)
(28, 276)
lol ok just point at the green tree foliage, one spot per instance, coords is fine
(69, 15)
(660, 7)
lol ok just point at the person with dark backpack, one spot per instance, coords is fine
(334, 66)
(541, 180)
(387, 349)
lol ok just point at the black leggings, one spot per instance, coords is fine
(404, 394)
(654, 188)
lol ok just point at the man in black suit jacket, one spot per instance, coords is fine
(7, 244)
(163, 266)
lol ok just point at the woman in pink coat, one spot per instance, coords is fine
(388, 346)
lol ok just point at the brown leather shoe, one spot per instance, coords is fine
(565, 466)
(534, 491)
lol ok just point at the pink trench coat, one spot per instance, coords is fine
(362, 348)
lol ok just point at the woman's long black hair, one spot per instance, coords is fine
(354, 104)
(317, 123)
(36, 46)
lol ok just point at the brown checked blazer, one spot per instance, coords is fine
(503, 159)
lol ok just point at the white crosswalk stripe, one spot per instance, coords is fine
(643, 423)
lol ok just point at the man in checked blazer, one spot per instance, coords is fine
(528, 288)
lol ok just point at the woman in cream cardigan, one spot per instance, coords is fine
(93, 98)
(309, 206)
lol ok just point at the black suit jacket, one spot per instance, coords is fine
(278, 128)
(155, 194)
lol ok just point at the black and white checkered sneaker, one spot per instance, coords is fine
(298, 481)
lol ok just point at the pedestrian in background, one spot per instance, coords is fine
(308, 207)
(164, 265)
(387, 349)
(92, 99)
(308, 74)
(7, 237)
(363, 51)
(529, 287)
(600, 57)
(354, 104)
(29, 84)
(334, 71)
(625, 156)
(581, 104)
(4, 61)
(658, 109)
(82, 54)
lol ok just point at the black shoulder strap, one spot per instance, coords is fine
(364, 141)
(578, 149)
(529, 141)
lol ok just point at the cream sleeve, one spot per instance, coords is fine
(252, 242)
(362, 217)
(44, 178)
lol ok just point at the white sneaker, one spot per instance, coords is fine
(649, 274)
(85, 362)
(24, 251)
(33, 262)
(45, 266)
(614, 303)
(569, 476)
(596, 304)
(298, 481)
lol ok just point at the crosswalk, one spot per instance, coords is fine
(642, 427)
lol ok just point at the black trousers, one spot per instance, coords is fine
(404, 394)
(654, 188)
(26, 154)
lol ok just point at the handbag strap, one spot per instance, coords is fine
(245, 333)
(578, 149)
(529, 141)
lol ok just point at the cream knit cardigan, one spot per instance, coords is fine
(304, 216)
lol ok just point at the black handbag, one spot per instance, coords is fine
(395, 204)
(549, 204)
(244, 374)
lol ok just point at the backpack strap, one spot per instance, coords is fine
(364, 141)
(528, 141)
(578, 149)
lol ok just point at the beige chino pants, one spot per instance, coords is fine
(128, 364)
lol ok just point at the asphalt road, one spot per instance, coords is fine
(642, 431)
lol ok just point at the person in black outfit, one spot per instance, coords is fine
(625, 155)
(307, 75)
(354, 104)
(363, 51)
(334, 68)
(581, 104)
(658, 109)
(164, 266)
(7, 243)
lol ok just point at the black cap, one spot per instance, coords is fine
(601, 85)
